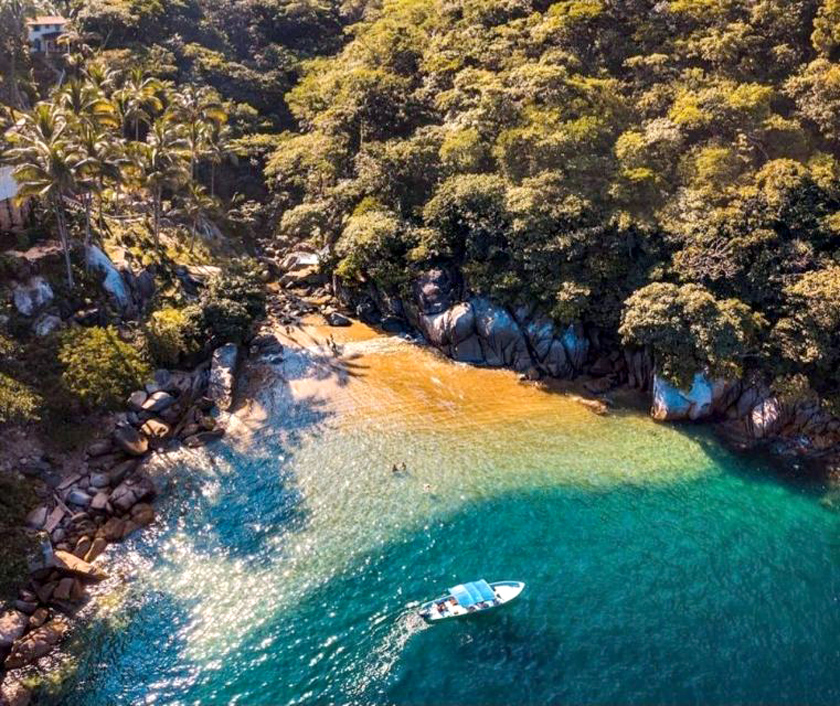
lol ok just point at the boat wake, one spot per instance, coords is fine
(384, 657)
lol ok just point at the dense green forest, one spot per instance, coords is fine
(140, 139)
(665, 171)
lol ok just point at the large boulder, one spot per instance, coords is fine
(32, 296)
(131, 491)
(36, 644)
(502, 338)
(112, 282)
(69, 564)
(13, 624)
(13, 693)
(435, 291)
(131, 441)
(704, 400)
(222, 376)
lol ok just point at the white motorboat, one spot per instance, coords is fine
(470, 599)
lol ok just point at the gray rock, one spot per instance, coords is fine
(705, 400)
(157, 402)
(45, 325)
(112, 282)
(335, 319)
(131, 441)
(99, 503)
(132, 491)
(100, 480)
(78, 497)
(13, 624)
(434, 291)
(222, 376)
(121, 470)
(136, 400)
(37, 518)
(33, 296)
(100, 448)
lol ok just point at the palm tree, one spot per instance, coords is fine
(47, 165)
(83, 100)
(216, 150)
(139, 100)
(196, 205)
(13, 45)
(100, 160)
(199, 110)
(101, 77)
(163, 166)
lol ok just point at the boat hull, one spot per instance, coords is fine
(506, 592)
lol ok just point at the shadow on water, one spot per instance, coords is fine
(234, 503)
(628, 601)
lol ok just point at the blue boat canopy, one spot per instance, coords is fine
(468, 594)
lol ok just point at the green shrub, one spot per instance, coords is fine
(172, 334)
(100, 369)
(231, 303)
(18, 402)
(227, 320)
(17, 498)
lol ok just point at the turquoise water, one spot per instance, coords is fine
(660, 567)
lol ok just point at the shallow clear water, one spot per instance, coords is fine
(660, 567)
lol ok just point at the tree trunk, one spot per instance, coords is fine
(157, 198)
(192, 234)
(101, 198)
(14, 93)
(65, 240)
(88, 205)
(212, 179)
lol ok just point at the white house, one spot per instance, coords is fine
(44, 31)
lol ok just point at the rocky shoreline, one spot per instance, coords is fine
(110, 497)
(474, 329)
(107, 499)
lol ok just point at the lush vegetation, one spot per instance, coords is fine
(665, 171)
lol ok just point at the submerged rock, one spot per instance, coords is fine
(13, 693)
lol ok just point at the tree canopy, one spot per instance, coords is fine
(664, 171)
